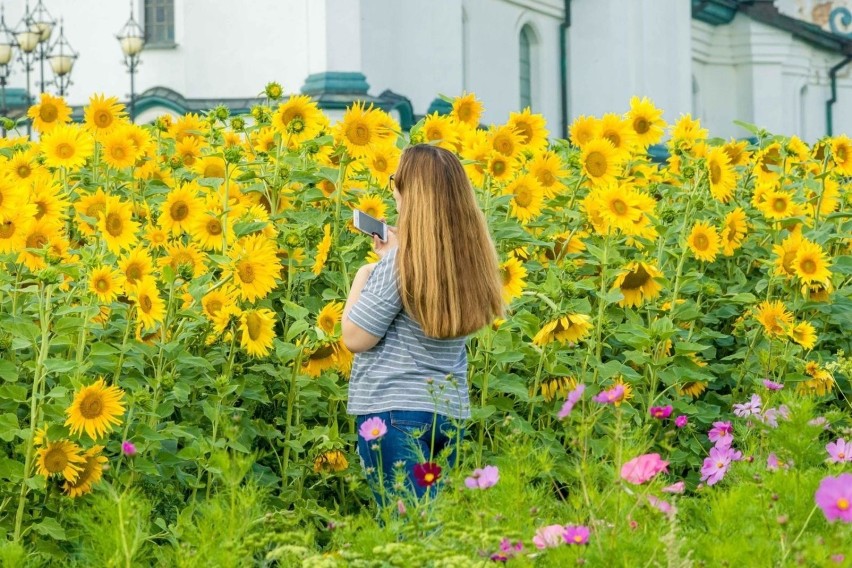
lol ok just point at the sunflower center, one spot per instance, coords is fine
(179, 211)
(701, 241)
(145, 303)
(7, 229)
(254, 325)
(103, 118)
(507, 276)
(619, 207)
(429, 477)
(327, 322)
(359, 134)
(641, 125)
(322, 352)
(182, 258)
(214, 227)
(114, 224)
(297, 125)
(715, 173)
(596, 164)
(55, 460)
(841, 153)
(465, 113)
(24, 171)
(636, 279)
(435, 133)
(546, 178)
(214, 305)
(92, 406)
(734, 154)
(614, 138)
(808, 266)
(102, 285)
(380, 164)
(498, 167)
(36, 241)
(64, 150)
(133, 273)
(504, 145)
(525, 130)
(523, 197)
(779, 204)
(48, 112)
(118, 153)
(245, 270)
(94, 209)
(843, 503)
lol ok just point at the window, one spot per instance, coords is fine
(159, 22)
(526, 44)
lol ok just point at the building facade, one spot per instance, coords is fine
(775, 63)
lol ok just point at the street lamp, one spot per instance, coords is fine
(62, 58)
(132, 40)
(7, 51)
(44, 24)
(27, 38)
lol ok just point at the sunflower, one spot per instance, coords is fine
(12, 197)
(66, 146)
(600, 161)
(514, 279)
(734, 231)
(150, 308)
(499, 167)
(323, 249)
(257, 327)
(49, 112)
(583, 130)
(38, 235)
(811, 264)
(467, 110)
(703, 241)
(14, 229)
(687, 132)
(105, 283)
(841, 154)
(382, 161)
(638, 283)
(180, 209)
(818, 291)
(618, 131)
(778, 204)
(331, 462)
(214, 300)
(139, 137)
(189, 125)
(95, 409)
(185, 260)
(564, 243)
(135, 266)
(156, 237)
(48, 198)
(768, 164)
(820, 383)
(359, 129)
(228, 315)
(528, 197)
(628, 390)
(619, 206)
(118, 150)
(804, 334)
(547, 169)
(569, 327)
(722, 178)
(116, 225)
(253, 266)
(646, 120)
(330, 315)
(264, 141)
(61, 457)
(531, 127)
(189, 150)
(297, 120)
(90, 473)
(211, 230)
(372, 205)
(786, 253)
(825, 200)
(21, 166)
(737, 153)
(103, 114)
(691, 388)
(555, 387)
(440, 131)
(323, 357)
(506, 140)
(774, 317)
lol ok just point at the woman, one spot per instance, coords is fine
(408, 315)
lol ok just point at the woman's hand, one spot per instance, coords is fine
(382, 248)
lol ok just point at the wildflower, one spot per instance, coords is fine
(549, 536)
(772, 385)
(834, 497)
(661, 412)
(508, 550)
(373, 428)
(483, 478)
(663, 506)
(819, 421)
(771, 415)
(716, 466)
(772, 463)
(840, 451)
(721, 434)
(642, 468)
(576, 534)
(128, 448)
(573, 398)
(610, 396)
(400, 507)
(676, 488)
(681, 421)
(427, 473)
(748, 408)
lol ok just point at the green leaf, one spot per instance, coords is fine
(50, 527)
(8, 426)
(8, 371)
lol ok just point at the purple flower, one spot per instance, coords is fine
(661, 412)
(576, 534)
(834, 497)
(642, 469)
(373, 428)
(772, 463)
(772, 385)
(128, 448)
(839, 451)
(748, 408)
(663, 506)
(483, 478)
(548, 537)
(573, 398)
(838, 558)
(721, 434)
(676, 488)
(819, 421)
(681, 421)
(716, 466)
(770, 417)
(508, 550)
(611, 396)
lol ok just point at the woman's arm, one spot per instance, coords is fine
(355, 338)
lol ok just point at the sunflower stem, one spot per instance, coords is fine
(536, 383)
(291, 403)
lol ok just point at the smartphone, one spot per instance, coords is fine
(370, 225)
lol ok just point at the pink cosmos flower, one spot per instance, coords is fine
(677, 488)
(663, 506)
(508, 550)
(681, 421)
(483, 478)
(820, 421)
(642, 468)
(722, 434)
(748, 408)
(611, 396)
(576, 534)
(573, 398)
(373, 428)
(772, 463)
(716, 466)
(834, 497)
(839, 451)
(549, 536)
(128, 448)
(772, 385)
(661, 412)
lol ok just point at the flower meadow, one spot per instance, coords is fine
(670, 384)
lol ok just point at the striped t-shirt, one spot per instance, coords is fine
(395, 374)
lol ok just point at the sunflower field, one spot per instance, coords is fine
(670, 384)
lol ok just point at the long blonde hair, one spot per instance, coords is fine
(448, 273)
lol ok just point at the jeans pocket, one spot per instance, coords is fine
(414, 424)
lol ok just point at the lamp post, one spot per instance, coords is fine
(7, 52)
(132, 40)
(62, 58)
(27, 38)
(44, 24)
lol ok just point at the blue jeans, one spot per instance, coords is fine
(413, 437)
